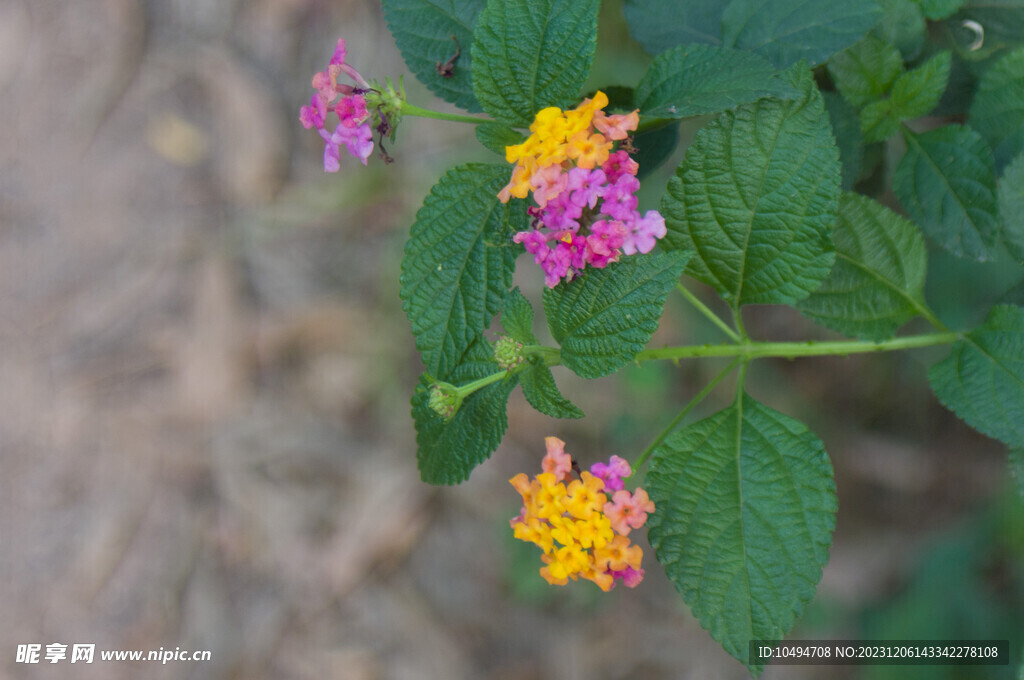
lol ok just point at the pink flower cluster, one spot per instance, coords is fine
(587, 217)
(353, 129)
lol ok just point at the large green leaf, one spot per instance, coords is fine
(604, 317)
(756, 198)
(691, 80)
(846, 129)
(997, 111)
(946, 182)
(448, 450)
(458, 262)
(982, 380)
(498, 137)
(1011, 207)
(865, 71)
(877, 283)
(745, 511)
(659, 25)
(424, 32)
(530, 54)
(787, 31)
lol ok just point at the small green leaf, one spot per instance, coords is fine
(423, 31)
(1016, 457)
(458, 262)
(903, 26)
(846, 128)
(878, 122)
(756, 198)
(447, 451)
(746, 507)
(1011, 207)
(517, 317)
(916, 92)
(946, 182)
(982, 380)
(496, 137)
(540, 390)
(691, 80)
(877, 283)
(865, 71)
(531, 54)
(939, 9)
(604, 317)
(787, 31)
(997, 111)
(659, 25)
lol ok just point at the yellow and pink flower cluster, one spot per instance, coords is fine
(583, 534)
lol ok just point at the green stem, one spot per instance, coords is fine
(754, 350)
(413, 110)
(682, 414)
(737, 318)
(703, 309)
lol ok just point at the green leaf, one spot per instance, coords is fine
(916, 92)
(865, 71)
(946, 182)
(877, 283)
(939, 9)
(659, 25)
(540, 390)
(691, 80)
(982, 380)
(846, 129)
(447, 451)
(1016, 457)
(531, 54)
(604, 317)
(745, 511)
(517, 317)
(496, 137)
(756, 198)
(878, 122)
(423, 31)
(997, 111)
(787, 31)
(654, 147)
(458, 262)
(903, 26)
(1011, 207)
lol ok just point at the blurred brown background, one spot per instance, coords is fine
(204, 378)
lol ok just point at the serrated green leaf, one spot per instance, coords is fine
(531, 54)
(916, 92)
(939, 9)
(846, 129)
(745, 512)
(447, 451)
(946, 182)
(542, 393)
(903, 26)
(997, 111)
(865, 71)
(659, 25)
(423, 31)
(496, 137)
(756, 198)
(878, 122)
(691, 80)
(1016, 460)
(1011, 207)
(517, 317)
(458, 262)
(982, 380)
(877, 283)
(604, 317)
(788, 31)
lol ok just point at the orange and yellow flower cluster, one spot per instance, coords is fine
(581, 533)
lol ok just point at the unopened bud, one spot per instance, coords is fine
(444, 400)
(508, 353)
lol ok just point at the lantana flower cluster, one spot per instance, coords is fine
(583, 534)
(353, 129)
(584, 189)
